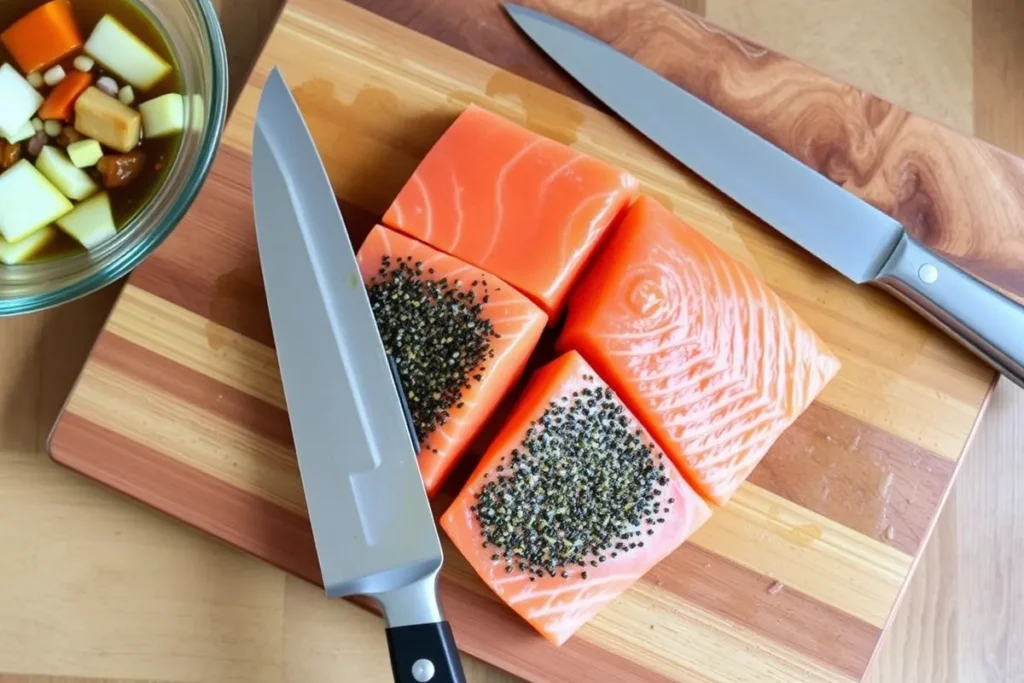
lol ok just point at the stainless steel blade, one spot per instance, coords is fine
(371, 520)
(842, 230)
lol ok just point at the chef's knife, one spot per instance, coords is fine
(372, 524)
(853, 237)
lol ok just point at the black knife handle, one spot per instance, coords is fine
(425, 653)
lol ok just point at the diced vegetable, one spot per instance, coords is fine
(198, 114)
(54, 75)
(37, 124)
(126, 96)
(84, 63)
(24, 249)
(52, 128)
(23, 133)
(118, 49)
(85, 153)
(9, 154)
(61, 101)
(92, 221)
(107, 85)
(65, 176)
(43, 37)
(28, 201)
(18, 101)
(35, 79)
(100, 117)
(121, 170)
(164, 115)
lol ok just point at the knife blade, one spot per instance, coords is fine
(372, 524)
(853, 237)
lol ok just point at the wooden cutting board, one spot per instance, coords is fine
(180, 404)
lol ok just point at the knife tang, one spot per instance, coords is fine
(982, 319)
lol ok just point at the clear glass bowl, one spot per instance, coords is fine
(194, 35)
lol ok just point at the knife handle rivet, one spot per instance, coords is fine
(423, 670)
(928, 273)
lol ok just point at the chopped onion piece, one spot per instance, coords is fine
(54, 75)
(126, 95)
(84, 63)
(107, 85)
(35, 79)
(53, 128)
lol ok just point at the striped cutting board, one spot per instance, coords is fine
(181, 406)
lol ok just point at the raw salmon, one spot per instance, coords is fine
(524, 207)
(517, 325)
(523, 479)
(710, 359)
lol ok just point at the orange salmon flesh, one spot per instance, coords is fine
(517, 320)
(526, 208)
(555, 606)
(710, 359)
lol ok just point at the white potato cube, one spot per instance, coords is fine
(162, 116)
(26, 248)
(65, 176)
(28, 201)
(19, 101)
(35, 79)
(118, 49)
(85, 153)
(23, 133)
(92, 221)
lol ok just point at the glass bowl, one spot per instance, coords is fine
(193, 33)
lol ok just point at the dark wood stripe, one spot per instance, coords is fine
(243, 519)
(285, 540)
(200, 391)
(793, 620)
(857, 475)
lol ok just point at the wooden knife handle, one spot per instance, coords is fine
(425, 653)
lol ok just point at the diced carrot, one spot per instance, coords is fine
(61, 101)
(43, 37)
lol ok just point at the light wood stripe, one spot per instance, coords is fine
(919, 405)
(808, 552)
(758, 530)
(679, 640)
(150, 416)
(184, 337)
(676, 637)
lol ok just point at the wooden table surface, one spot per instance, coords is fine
(96, 587)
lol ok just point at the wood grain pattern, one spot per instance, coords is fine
(196, 311)
(962, 197)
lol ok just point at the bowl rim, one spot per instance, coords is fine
(130, 259)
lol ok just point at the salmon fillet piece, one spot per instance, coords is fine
(714, 363)
(557, 603)
(517, 322)
(526, 208)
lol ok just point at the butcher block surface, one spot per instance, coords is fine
(181, 406)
